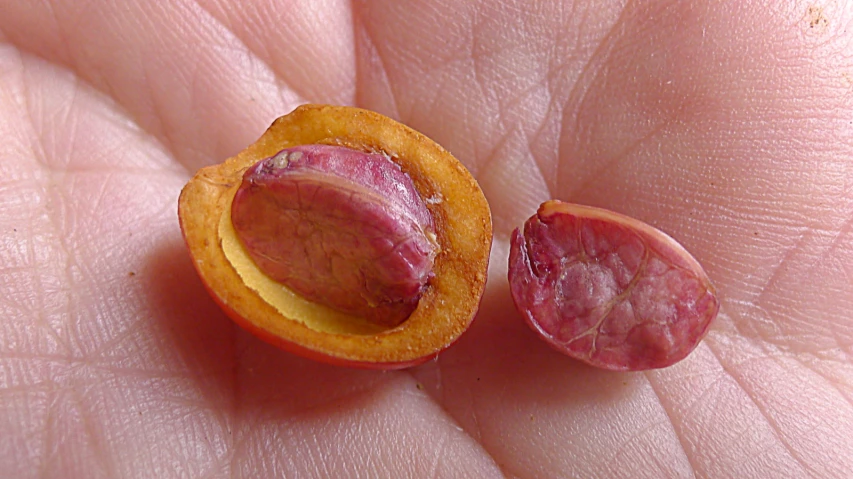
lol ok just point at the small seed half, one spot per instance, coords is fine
(608, 289)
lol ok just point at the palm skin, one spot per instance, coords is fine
(727, 124)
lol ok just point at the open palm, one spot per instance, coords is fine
(727, 124)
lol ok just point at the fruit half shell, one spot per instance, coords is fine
(283, 318)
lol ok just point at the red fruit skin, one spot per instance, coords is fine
(309, 353)
(607, 289)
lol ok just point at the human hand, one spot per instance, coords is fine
(727, 124)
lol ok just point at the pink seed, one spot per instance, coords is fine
(607, 289)
(341, 227)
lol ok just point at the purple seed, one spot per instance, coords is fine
(607, 289)
(341, 227)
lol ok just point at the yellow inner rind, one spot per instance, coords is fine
(290, 304)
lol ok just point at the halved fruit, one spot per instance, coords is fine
(277, 314)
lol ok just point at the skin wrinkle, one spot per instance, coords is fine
(63, 37)
(381, 52)
(406, 390)
(500, 144)
(764, 290)
(38, 155)
(611, 163)
(668, 413)
(262, 54)
(163, 132)
(476, 435)
(534, 138)
(365, 35)
(476, 60)
(844, 233)
(48, 426)
(41, 318)
(503, 105)
(106, 462)
(113, 344)
(236, 423)
(553, 75)
(68, 362)
(507, 132)
(142, 373)
(436, 457)
(196, 79)
(714, 354)
(448, 70)
(591, 68)
(774, 426)
(159, 131)
(847, 395)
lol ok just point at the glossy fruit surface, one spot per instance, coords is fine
(461, 221)
(607, 289)
(340, 227)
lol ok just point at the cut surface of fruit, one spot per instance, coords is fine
(607, 289)
(341, 227)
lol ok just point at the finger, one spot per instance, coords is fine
(203, 78)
